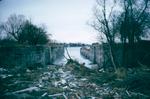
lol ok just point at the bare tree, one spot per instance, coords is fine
(24, 31)
(129, 23)
(134, 22)
(135, 19)
(13, 26)
(32, 34)
(105, 23)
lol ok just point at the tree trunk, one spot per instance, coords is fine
(124, 51)
(112, 57)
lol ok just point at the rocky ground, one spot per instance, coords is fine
(72, 81)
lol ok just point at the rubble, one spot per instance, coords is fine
(59, 82)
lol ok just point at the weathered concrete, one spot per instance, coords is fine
(94, 53)
(99, 53)
(29, 55)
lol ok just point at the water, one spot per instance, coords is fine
(74, 52)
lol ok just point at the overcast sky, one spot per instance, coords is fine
(66, 20)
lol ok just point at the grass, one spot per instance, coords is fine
(137, 81)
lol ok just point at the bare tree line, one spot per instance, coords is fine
(128, 23)
(21, 30)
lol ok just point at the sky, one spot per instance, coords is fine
(66, 20)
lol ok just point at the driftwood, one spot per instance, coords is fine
(78, 97)
(55, 95)
(25, 90)
(43, 95)
(65, 96)
(128, 93)
(68, 54)
(65, 57)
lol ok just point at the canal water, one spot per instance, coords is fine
(74, 52)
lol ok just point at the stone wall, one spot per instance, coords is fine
(29, 55)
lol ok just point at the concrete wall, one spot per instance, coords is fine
(57, 52)
(29, 55)
(94, 53)
(100, 54)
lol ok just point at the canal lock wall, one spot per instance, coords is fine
(99, 54)
(95, 53)
(29, 55)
